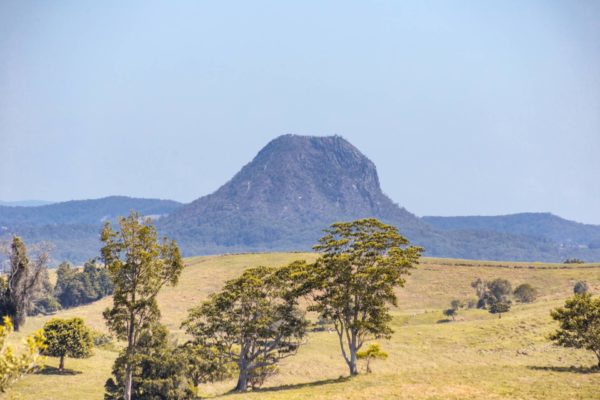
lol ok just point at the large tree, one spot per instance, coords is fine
(579, 324)
(139, 265)
(362, 265)
(24, 282)
(254, 321)
(67, 338)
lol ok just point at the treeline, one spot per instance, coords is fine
(74, 287)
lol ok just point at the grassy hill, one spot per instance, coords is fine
(478, 356)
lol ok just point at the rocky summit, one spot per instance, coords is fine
(293, 188)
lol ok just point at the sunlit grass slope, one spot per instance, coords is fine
(478, 356)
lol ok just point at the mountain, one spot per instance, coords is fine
(292, 189)
(73, 227)
(83, 211)
(283, 198)
(535, 225)
(297, 185)
(25, 203)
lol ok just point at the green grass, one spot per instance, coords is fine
(478, 356)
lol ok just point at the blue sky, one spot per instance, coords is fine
(480, 107)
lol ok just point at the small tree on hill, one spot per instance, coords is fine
(581, 287)
(67, 338)
(455, 305)
(372, 352)
(363, 262)
(254, 322)
(525, 293)
(579, 324)
(12, 365)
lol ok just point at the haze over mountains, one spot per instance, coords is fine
(283, 198)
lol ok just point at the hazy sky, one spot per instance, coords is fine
(479, 107)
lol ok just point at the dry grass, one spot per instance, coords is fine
(479, 356)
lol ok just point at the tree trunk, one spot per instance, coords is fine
(352, 363)
(61, 363)
(128, 381)
(242, 383)
(130, 349)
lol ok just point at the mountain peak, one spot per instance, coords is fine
(295, 182)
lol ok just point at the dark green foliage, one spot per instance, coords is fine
(525, 293)
(23, 284)
(253, 322)
(67, 338)
(581, 287)
(493, 296)
(139, 266)
(573, 261)
(75, 287)
(158, 373)
(455, 305)
(354, 281)
(579, 324)
(205, 364)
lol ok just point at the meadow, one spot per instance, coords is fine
(477, 356)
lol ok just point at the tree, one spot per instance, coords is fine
(373, 352)
(75, 287)
(494, 295)
(455, 305)
(13, 366)
(581, 287)
(205, 364)
(67, 338)
(254, 322)
(139, 266)
(579, 324)
(525, 293)
(363, 262)
(158, 372)
(499, 307)
(23, 283)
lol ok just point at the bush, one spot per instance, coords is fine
(525, 293)
(581, 287)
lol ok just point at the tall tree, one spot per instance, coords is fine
(67, 338)
(253, 321)
(24, 282)
(139, 266)
(579, 324)
(363, 262)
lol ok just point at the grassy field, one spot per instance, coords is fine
(478, 356)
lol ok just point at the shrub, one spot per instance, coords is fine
(525, 293)
(581, 287)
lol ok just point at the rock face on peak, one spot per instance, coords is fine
(281, 200)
